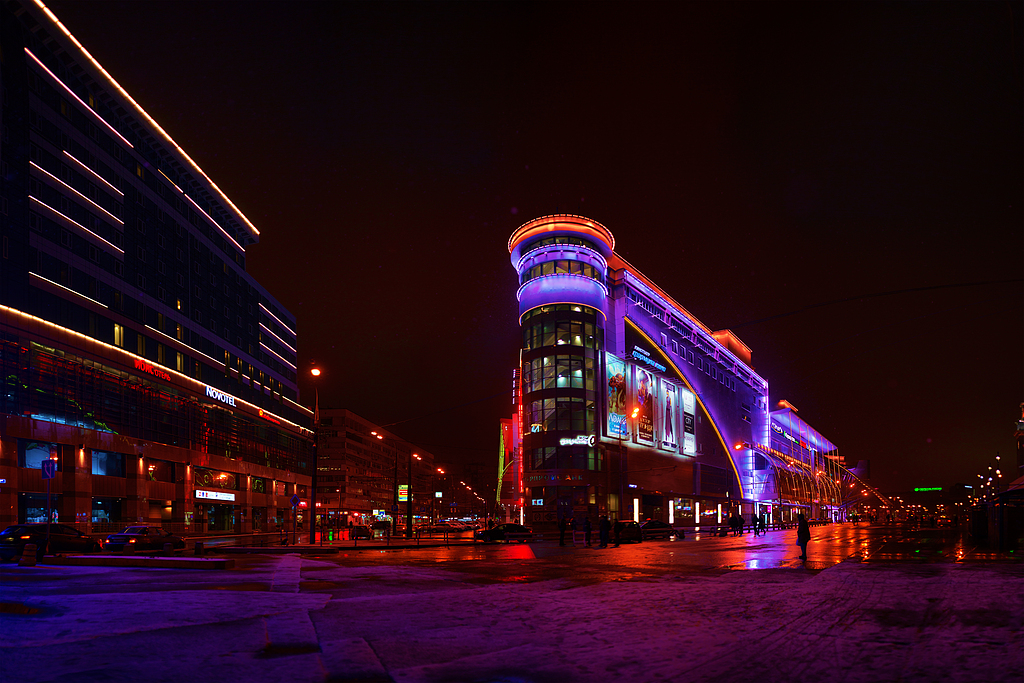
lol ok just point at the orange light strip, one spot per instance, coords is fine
(142, 111)
(76, 223)
(82, 196)
(67, 289)
(186, 378)
(79, 99)
(94, 173)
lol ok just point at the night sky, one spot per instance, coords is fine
(755, 160)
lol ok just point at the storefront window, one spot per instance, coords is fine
(108, 464)
(215, 479)
(160, 470)
(31, 454)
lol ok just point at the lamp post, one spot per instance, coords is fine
(315, 372)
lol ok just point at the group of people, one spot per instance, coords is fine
(758, 523)
(604, 529)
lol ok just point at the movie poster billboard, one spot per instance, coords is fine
(617, 427)
(688, 403)
(670, 408)
(644, 391)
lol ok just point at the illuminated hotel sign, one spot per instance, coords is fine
(581, 440)
(146, 367)
(265, 415)
(800, 442)
(219, 395)
(215, 495)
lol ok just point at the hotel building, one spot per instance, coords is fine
(136, 350)
(628, 405)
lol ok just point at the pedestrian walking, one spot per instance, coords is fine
(603, 527)
(562, 524)
(753, 524)
(803, 534)
(587, 528)
(762, 523)
(618, 531)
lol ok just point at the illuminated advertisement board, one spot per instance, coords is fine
(403, 493)
(617, 426)
(644, 391)
(670, 408)
(689, 405)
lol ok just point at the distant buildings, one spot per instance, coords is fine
(628, 405)
(136, 350)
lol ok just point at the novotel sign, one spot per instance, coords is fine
(218, 395)
(581, 440)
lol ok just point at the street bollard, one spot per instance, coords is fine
(199, 548)
(28, 555)
(168, 549)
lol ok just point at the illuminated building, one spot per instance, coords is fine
(358, 471)
(135, 348)
(631, 406)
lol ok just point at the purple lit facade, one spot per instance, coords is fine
(632, 407)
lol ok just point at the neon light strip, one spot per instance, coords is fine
(73, 222)
(283, 360)
(190, 348)
(142, 111)
(40, 168)
(526, 284)
(267, 310)
(170, 181)
(210, 219)
(72, 93)
(97, 175)
(68, 289)
(562, 247)
(300, 408)
(202, 385)
(278, 338)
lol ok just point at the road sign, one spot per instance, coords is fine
(49, 468)
(295, 501)
(394, 508)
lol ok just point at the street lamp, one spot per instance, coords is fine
(315, 372)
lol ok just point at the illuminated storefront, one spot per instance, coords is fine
(630, 405)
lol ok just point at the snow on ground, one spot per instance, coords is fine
(311, 620)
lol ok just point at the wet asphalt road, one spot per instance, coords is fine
(545, 560)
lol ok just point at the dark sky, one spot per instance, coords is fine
(752, 159)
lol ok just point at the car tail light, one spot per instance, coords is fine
(131, 540)
(25, 537)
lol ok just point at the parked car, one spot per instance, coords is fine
(505, 532)
(629, 531)
(360, 531)
(63, 539)
(654, 528)
(142, 538)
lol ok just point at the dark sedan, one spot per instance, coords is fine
(142, 538)
(654, 528)
(63, 539)
(628, 531)
(505, 532)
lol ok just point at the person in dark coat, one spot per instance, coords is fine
(586, 530)
(562, 524)
(618, 531)
(753, 524)
(803, 534)
(603, 527)
(762, 524)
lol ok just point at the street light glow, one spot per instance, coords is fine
(315, 372)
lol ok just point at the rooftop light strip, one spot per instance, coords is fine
(67, 289)
(267, 311)
(40, 168)
(283, 360)
(142, 111)
(118, 349)
(72, 93)
(211, 219)
(76, 223)
(94, 173)
(278, 338)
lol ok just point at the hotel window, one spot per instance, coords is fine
(118, 333)
(178, 331)
(94, 254)
(160, 354)
(140, 345)
(179, 363)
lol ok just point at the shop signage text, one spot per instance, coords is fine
(146, 367)
(215, 495)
